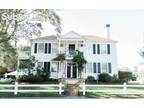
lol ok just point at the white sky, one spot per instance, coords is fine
(127, 27)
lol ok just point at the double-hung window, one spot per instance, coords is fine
(40, 47)
(103, 49)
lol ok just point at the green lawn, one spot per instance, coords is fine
(30, 94)
(113, 92)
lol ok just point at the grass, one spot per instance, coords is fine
(26, 95)
(113, 92)
(30, 94)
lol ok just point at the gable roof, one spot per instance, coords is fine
(71, 35)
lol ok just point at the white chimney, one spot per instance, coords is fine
(108, 31)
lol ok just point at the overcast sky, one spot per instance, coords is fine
(127, 27)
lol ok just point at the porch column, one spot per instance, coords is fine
(66, 69)
(77, 71)
(71, 70)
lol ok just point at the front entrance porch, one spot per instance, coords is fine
(72, 71)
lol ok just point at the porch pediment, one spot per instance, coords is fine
(71, 35)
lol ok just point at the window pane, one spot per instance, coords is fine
(54, 48)
(40, 64)
(104, 67)
(54, 67)
(41, 47)
(89, 67)
(103, 49)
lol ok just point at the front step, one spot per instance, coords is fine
(72, 90)
(72, 81)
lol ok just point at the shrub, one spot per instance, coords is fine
(41, 75)
(90, 79)
(125, 76)
(104, 77)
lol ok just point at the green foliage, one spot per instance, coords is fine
(80, 60)
(125, 76)
(28, 64)
(43, 74)
(60, 57)
(104, 77)
(90, 79)
(7, 57)
(40, 76)
(24, 23)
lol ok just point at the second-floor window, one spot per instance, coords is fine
(40, 47)
(101, 48)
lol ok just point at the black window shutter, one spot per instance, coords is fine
(46, 48)
(94, 49)
(47, 66)
(49, 48)
(109, 67)
(99, 68)
(35, 48)
(98, 48)
(94, 67)
(108, 48)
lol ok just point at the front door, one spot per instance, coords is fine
(71, 70)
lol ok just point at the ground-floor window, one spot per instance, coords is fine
(54, 66)
(40, 64)
(99, 67)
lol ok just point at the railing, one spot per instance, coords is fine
(112, 89)
(16, 88)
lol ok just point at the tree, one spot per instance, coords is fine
(7, 57)
(23, 23)
(60, 58)
(80, 60)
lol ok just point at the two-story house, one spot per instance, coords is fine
(99, 52)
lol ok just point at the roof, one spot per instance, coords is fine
(97, 38)
(50, 37)
(73, 35)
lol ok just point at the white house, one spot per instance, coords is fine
(99, 52)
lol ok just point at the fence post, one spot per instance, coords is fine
(124, 87)
(83, 85)
(60, 88)
(16, 88)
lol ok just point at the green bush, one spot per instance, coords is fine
(90, 79)
(40, 76)
(125, 76)
(104, 77)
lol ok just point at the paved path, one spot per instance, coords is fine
(63, 97)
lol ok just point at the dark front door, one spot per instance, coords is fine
(71, 70)
(71, 49)
(74, 71)
(68, 70)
